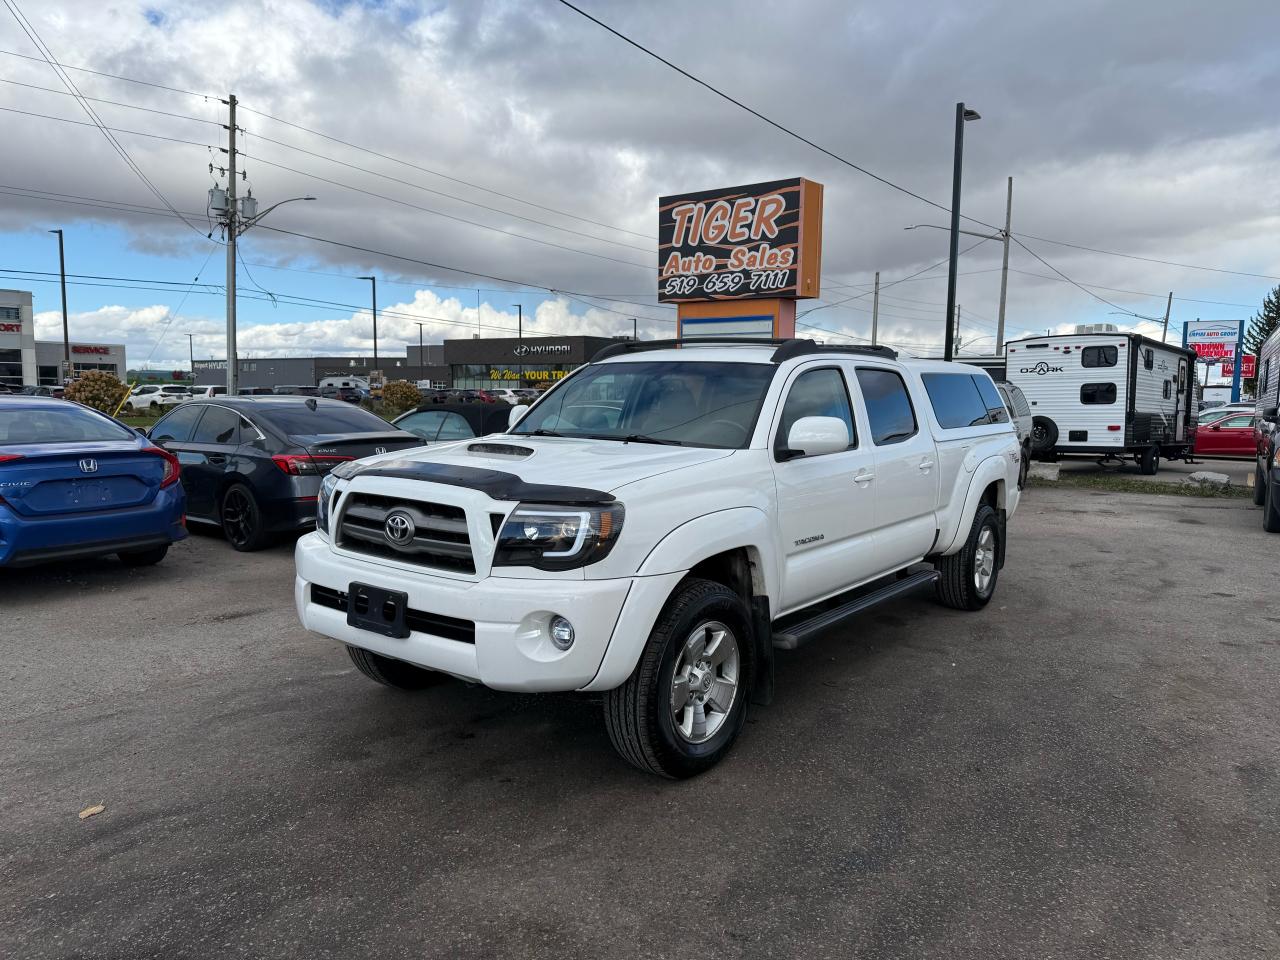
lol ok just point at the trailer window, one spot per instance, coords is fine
(1168, 389)
(956, 400)
(1098, 357)
(1098, 393)
(1148, 358)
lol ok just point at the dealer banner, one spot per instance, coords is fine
(759, 240)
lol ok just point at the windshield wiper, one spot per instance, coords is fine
(642, 438)
(539, 433)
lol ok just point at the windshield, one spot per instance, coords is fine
(71, 424)
(301, 420)
(696, 404)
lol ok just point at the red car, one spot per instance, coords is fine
(1231, 436)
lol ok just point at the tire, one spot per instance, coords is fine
(1149, 464)
(1044, 434)
(392, 673)
(1024, 467)
(701, 619)
(967, 579)
(1271, 507)
(1259, 486)
(144, 558)
(154, 408)
(241, 519)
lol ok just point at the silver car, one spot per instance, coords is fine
(1020, 412)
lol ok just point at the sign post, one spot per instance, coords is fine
(735, 260)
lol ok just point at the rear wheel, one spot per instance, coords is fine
(1024, 467)
(686, 701)
(242, 519)
(1259, 487)
(143, 558)
(392, 673)
(1149, 463)
(1271, 507)
(967, 579)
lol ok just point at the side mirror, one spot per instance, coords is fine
(1270, 414)
(815, 436)
(515, 415)
(1216, 426)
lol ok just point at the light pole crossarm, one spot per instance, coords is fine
(255, 220)
(934, 226)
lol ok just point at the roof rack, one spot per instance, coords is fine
(786, 348)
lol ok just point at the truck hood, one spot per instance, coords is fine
(547, 462)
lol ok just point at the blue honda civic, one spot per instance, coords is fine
(76, 483)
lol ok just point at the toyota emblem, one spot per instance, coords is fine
(398, 528)
(88, 465)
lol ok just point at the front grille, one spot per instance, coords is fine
(440, 538)
(438, 625)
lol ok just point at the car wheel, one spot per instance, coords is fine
(241, 519)
(1271, 507)
(154, 408)
(967, 579)
(392, 673)
(1149, 464)
(686, 701)
(1259, 486)
(1024, 467)
(143, 558)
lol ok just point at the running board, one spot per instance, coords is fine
(796, 635)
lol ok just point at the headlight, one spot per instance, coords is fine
(327, 487)
(551, 537)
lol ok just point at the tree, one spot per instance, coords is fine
(97, 389)
(1260, 328)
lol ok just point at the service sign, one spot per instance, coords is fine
(759, 240)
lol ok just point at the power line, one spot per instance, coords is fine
(760, 116)
(136, 133)
(448, 216)
(1137, 293)
(1070, 281)
(115, 76)
(1133, 256)
(114, 103)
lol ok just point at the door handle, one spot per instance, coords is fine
(217, 458)
(926, 465)
(863, 476)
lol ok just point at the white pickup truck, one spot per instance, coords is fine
(662, 520)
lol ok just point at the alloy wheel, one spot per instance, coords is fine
(704, 685)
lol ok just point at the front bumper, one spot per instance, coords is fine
(512, 648)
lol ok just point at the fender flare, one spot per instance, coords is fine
(705, 536)
(990, 470)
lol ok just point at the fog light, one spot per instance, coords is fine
(561, 633)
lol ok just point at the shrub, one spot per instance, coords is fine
(399, 396)
(97, 389)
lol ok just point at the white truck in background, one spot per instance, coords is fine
(659, 523)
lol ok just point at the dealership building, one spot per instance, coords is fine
(478, 363)
(26, 361)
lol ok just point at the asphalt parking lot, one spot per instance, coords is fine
(1088, 768)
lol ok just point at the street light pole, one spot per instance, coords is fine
(422, 361)
(520, 343)
(1004, 269)
(374, 281)
(233, 365)
(191, 358)
(66, 330)
(962, 116)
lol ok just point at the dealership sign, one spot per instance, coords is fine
(81, 348)
(10, 328)
(541, 349)
(759, 240)
(1211, 339)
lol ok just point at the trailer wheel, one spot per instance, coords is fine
(1150, 461)
(1044, 434)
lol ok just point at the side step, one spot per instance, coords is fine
(795, 635)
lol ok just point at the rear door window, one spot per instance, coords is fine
(1098, 357)
(956, 400)
(1098, 393)
(889, 409)
(996, 411)
(218, 425)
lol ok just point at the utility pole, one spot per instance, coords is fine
(1004, 269)
(191, 358)
(233, 364)
(875, 310)
(1167, 307)
(374, 281)
(520, 338)
(957, 329)
(962, 115)
(635, 329)
(422, 360)
(66, 330)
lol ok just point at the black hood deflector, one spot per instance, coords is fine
(495, 483)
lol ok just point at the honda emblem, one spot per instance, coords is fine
(379, 449)
(88, 465)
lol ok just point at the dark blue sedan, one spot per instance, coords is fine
(76, 483)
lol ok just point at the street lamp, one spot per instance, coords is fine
(963, 115)
(422, 362)
(66, 333)
(374, 281)
(191, 357)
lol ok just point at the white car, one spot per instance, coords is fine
(155, 397)
(208, 393)
(659, 522)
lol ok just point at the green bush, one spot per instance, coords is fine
(399, 396)
(97, 389)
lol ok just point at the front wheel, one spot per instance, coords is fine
(392, 673)
(1270, 507)
(1259, 487)
(967, 579)
(685, 703)
(242, 519)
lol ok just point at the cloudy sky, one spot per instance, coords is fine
(522, 143)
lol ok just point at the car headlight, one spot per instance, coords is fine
(327, 486)
(551, 537)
